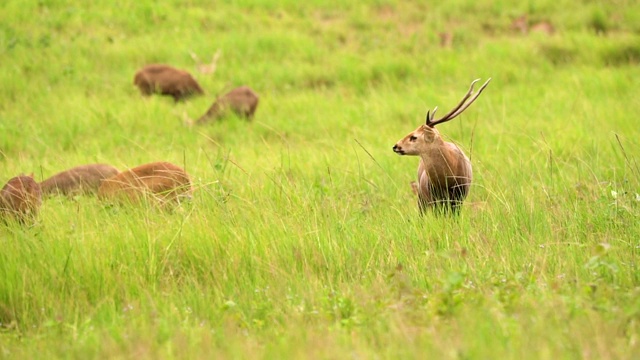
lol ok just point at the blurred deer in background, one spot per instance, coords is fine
(523, 25)
(166, 80)
(242, 100)
(206, 69)
(444, 172)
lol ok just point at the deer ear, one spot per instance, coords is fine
(428, 133)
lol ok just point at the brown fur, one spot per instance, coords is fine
(20, 199)
(444, 172)
(83, 179)
(241, 100)
(161, 180)
(166, 80)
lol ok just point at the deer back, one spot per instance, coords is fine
(80, 179)
(163, 180)
(242, 100)
(166, 80)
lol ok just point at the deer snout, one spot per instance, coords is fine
(398, 149)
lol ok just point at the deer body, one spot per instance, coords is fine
(444, 172)
(20, 199)
(82, 179)
(241, 100)
(166, 80)
(444, 175)
(161, 180)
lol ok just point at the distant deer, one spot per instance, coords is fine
(206, 69)
(241, 100)
(20, 199)
(444, 173)
(83, 179)
(522, 25)
(166, 80)
(160, 180)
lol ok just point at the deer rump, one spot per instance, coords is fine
(20, 199)
(242, 100)
(83, 179)
(161, 181)
(166, 80)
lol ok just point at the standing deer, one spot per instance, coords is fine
(20, 199)
(241, 100)
(444, 173)
(166, 80)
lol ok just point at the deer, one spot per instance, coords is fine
(20, 199)
(522, 25)
(83, 179)
(444, 171)
(161, 181)
(206, 69)
(166, 80)
(241, 100)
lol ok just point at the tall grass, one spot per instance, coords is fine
(303, 238)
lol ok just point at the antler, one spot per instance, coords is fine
(462, 106)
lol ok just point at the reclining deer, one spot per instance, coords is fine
(444, 172)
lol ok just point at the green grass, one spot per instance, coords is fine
(303, 239)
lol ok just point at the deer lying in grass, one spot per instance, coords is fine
(20, 199)
(444, 173)
(166, 80)
(83, 179)
(162, 181)
(241, 100)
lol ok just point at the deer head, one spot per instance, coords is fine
(418, 141)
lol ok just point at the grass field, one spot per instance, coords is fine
(303, 238)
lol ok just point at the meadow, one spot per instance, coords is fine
(303, 238)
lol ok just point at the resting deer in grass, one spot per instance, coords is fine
(83, 179)
(444, 173)
(161, 181)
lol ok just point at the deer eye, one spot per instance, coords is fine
(412, 138)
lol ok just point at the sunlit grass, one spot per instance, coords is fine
(303, 238)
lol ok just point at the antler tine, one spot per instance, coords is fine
(448, 116)
(472, 99)
(463, 105)
(430, 116)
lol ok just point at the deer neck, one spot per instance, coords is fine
(438, 160)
